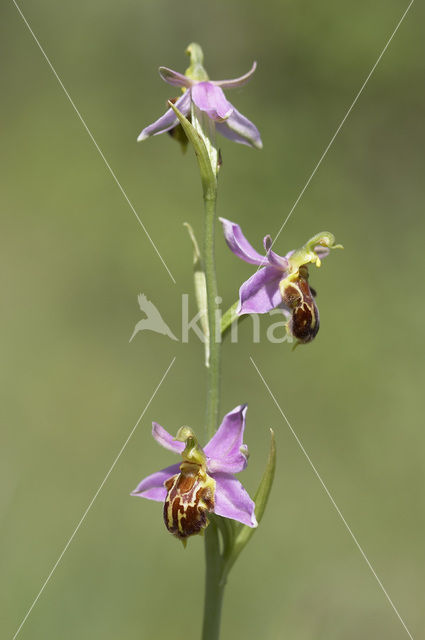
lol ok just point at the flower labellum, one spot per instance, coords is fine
(299, 299)
(207, 96)
(204, 482)
(190, 493)
(281, 281)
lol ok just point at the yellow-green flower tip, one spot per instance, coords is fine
(314, 250)
(192, 452)
(196, 70)
(184, 433)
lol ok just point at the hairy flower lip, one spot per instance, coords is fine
(209, 97)
(225, 455)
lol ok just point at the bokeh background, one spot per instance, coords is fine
(73, 259)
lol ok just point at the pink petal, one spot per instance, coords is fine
(224, 449)
(211, 99)
(237, 243)
(232, 500)
(152, 487)
(273, 258)
(267, 242)
(165, 439)
(174, 77)
(261, 292)
(168, 120)
(321, 251)
(237, 82)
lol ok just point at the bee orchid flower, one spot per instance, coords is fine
(208, 96)
(204, 482)
(281, 281)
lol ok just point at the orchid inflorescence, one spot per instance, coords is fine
(201, 493)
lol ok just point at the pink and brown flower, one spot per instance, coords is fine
(204, 482)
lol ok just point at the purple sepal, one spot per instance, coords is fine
(238, 244)
(226, 451)
(168, 120)
(224, 130)
(153, 487)
(261, 292)
(165, 439)
(232, 500)
(239, 129)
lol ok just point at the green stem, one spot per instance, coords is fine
(213, 380)
(209, 168)
(214, 589)
(229, 317)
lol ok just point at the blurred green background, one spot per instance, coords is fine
(73, 259)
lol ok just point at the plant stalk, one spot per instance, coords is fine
(213, 372)
(214, 588)
(208, 164)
